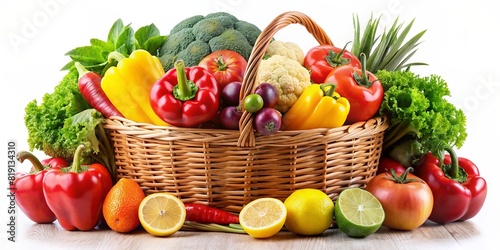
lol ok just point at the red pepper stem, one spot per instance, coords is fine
(363, 79)
(454, 172)
(77, 158)
(185, 89)
(23, 155)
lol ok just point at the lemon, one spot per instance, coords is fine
(263, 217)
(162, 214)
(309, 212)
(358, 213)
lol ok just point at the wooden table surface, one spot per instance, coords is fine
(477, 233)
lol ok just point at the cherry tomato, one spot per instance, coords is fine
(322, 59)
(225, 65)
(253, 103)
(407, 200)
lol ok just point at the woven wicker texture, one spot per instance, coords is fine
(229, 168)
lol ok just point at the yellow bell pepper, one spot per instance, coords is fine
(128, 86)
(319, 106)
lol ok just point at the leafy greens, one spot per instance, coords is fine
(421, 117)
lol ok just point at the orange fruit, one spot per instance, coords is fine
(121, 205)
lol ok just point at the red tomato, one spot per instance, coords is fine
(407, 200)
(385, 164)
(322, 59)
(225, 65)
(365, 94)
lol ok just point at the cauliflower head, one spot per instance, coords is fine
(287, 49)
(288, 76)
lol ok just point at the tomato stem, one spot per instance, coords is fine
(221, 64)
(336, 59)
(363, 79)
(403, 178)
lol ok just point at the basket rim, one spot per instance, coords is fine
(140, 129)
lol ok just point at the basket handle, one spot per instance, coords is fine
(247, 136)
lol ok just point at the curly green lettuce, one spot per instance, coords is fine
(45, 120)
(63, 120)
(422, 119)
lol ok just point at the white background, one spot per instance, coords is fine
(461, 45)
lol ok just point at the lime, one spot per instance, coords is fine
(358, 213)
(309, 212)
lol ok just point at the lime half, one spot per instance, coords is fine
(358, 213)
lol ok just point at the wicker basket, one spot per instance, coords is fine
(229, 168)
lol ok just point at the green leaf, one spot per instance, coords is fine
(87, 55)
(115, 31)
(126, 40)
(153, 44)
(68, 66)
(146, 32)
(105, 46)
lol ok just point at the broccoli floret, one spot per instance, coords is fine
(193, 54)
(222, 14)
(186, 23)
(207, 29)
(177, 42)
(219, 31)
(249, 30)
(232, 40)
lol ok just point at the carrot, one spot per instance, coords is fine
(206, 214)
(89, 84)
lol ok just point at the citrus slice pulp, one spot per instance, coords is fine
(358, 213)
(162, 214)
(263, 217)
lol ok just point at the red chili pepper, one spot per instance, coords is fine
(206, 214)
(76, 196)
(89, 84)
(459, 192)
(185, 97)
(322, 59)
(362, 88)
(28, 187)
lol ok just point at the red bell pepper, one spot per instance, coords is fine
(459, 192)
(322, 59)
(76, 196)
(361, 87)
(28, 187)
(185, 97)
